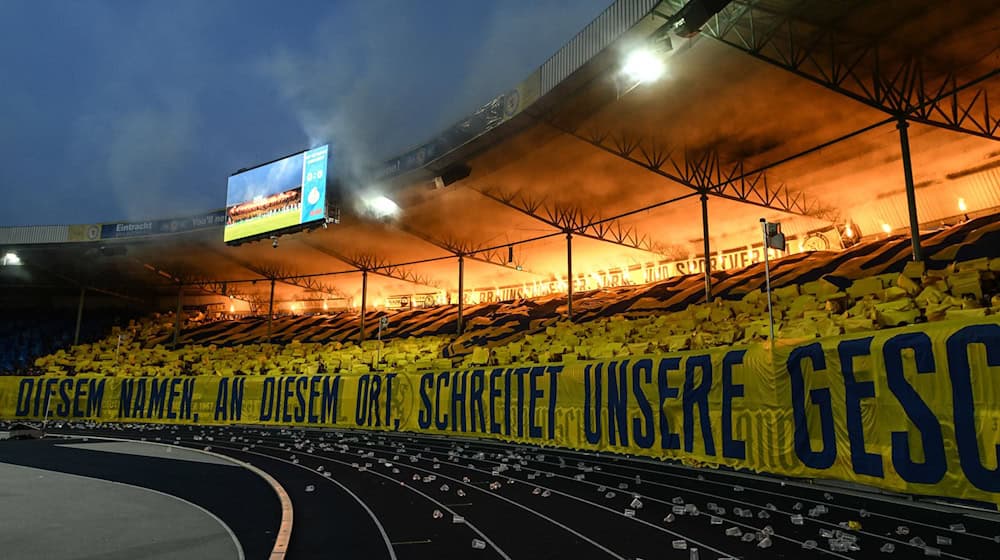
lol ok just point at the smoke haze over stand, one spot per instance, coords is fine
(130, 111)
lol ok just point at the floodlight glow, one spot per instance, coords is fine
(961, 205)
(382, 206)
(849, 231)
(11, 259)
(886, 227)
(644, 66)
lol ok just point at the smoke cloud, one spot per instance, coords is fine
(390, 76)
(141, 110)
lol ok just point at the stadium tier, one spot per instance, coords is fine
(868, 287)
(26, 336)
(719, 279)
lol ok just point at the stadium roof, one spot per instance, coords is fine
(782, 109)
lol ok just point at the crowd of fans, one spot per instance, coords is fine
(24, 337)
(275, 204)
(825, 307)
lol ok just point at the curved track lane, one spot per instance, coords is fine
(242, 502)
(408, 496)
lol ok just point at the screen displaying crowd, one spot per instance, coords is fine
(277, 196)
(287, 201)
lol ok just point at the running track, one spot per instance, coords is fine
(377, 495)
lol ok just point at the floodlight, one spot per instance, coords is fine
(644, 66)
(886, 227)
(961, 205)
(11, 259)
(382, 207)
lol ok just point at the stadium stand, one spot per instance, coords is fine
(24, 337)
(868, 287)
(818, 446)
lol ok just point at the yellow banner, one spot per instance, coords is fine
(913, 409)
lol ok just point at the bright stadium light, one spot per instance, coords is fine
(644, 66)
(886, 227)
(961, 205)
(382, 207)
(11, 259)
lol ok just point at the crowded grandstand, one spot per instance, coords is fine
(621, 311)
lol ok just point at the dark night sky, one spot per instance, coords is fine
(125, 110)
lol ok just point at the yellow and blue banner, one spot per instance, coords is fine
(914, 409)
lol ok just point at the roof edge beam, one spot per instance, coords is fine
(861, 70)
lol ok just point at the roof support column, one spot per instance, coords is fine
(79, 316)
(708, 248)
(569, 276)
(270, 312)
(911, 196)
(461, 293)
(179, 315)
(364, 303)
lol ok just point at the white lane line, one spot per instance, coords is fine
(236, 542)
(646, 496)
(371, 514)
(570, 496)
(486, 539)
(604, 459)
(284, 535)
(499, 496)
(722, 497)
